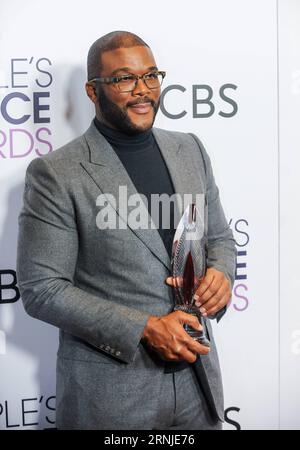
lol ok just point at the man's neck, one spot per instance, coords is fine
(118, 135)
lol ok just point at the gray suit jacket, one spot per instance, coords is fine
(100, 286)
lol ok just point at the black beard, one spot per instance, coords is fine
(118, 117)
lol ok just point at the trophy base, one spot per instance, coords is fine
(197, 335)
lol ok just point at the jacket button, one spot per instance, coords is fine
(107, 348)
(118, 353)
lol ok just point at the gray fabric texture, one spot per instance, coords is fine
(99, 287)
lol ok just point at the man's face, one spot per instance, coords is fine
(130, 112)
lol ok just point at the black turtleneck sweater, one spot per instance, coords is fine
(143, 161)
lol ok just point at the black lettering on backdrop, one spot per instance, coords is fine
(162, 101)
(202, 101)
(9, 286)
(14, 72)
(37, 107)
(51, 408)
(9, 425)
(230, 421)
(43, 71)
(27, 411)
(6, 100)
(202, 96)
(228, 100)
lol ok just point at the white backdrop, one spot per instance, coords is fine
(244, 54)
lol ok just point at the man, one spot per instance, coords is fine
(124, 359)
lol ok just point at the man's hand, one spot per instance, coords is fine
(213, 293)
(167, 337)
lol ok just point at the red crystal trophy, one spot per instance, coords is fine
(188, 265)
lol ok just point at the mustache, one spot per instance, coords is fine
(142, 100)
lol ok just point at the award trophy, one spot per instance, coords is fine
(188, 265)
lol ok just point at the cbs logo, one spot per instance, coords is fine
(203, 101)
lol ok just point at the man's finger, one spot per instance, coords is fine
(190, 320)
(170, 281)
(205, 284)
(190, 355)
(213, 295)
(217, 288)
(213, 309)
(198, 348)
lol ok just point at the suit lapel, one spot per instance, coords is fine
(171, 152)
(185, 179)
(107, 171)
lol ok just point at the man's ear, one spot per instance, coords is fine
(91, 92)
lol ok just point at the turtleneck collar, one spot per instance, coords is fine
(124, 142)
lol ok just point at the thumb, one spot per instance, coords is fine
(175, 282)
(191, 320)
(169, 281)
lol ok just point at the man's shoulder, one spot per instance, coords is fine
(66, 158)
(72, 151)
(192, 145)
(63, 161)
(187, 139)
(174, 135)
(178, 136)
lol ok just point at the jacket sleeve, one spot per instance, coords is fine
(221, 249)
(46, 263)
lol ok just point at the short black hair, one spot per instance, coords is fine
(110, 41)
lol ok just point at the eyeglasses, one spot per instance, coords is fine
(127, 83)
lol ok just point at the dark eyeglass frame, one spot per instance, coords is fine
(116, 80)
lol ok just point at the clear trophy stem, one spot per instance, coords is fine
(188, 264)
(198, 335)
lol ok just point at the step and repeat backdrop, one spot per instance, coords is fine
(233, 78)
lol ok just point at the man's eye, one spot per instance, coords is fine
(151, 76)
(126, 78)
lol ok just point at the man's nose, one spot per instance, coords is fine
(141, 88)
